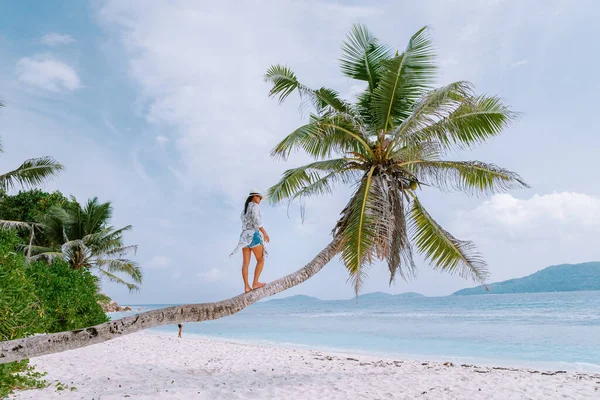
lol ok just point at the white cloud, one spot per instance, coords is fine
(216, 101)
(208, 98)
(161, 140)
(55, 39)
(520, 236)
(158, 262)
(568, 216)
(47, 73)
(519, 63)
(212, 275)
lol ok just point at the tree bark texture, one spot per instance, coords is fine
(38, 345)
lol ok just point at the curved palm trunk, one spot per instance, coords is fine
(16, 350)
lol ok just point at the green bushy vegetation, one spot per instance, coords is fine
(37, 298)
(30, 206)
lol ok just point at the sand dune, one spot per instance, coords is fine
(148, 366)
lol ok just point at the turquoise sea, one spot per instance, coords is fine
(541, 330)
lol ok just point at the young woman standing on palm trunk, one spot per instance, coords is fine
(252, 240)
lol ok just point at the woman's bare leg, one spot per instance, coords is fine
(245, 264)
(259, 253)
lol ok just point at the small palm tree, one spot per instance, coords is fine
(84, 237)
(390, 143)
(31, 173)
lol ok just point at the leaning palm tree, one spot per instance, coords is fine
(31, 173)
(84, 237)
(390, 144)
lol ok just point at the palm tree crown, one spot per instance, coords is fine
(390, 143)
(84, 237)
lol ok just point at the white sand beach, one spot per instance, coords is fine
(150, 366)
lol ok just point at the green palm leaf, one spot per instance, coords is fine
(121, 251)
(47, 256)
(95, 216)
(473, 122)
(404, 80)
(400, 256)
(443, 250)
(15, 225)
(323, 137)
(433, 107)
(296, 179)
(116, 279)
(472, 177)
(359, 232)
(362, 55)
(324, 100)
(32, 172)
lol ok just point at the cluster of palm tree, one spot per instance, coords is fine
(80, 235)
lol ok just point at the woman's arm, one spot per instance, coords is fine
(265, 234)
(258, 221)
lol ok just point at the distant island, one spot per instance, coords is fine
(557, 278)
(374, 296)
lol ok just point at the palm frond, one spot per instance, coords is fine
(443, 250)
(294, 180)
(362, 55)
(32, 172)
(56, 224)
(284, 82)
(471, 177)
(359, 233)
(423, 151)
(47, 256)
(95, 216)
(325, 184)
(324, 100)
(323, 137)
(436, 105)
(121, 266)
(114, 278)
(404, 80)
(473, 122)
(121, 251)
(364, 108)
(77, 253)
(34, 249)
(15, 225)
(400, 257)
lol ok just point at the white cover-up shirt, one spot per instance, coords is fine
(251, 223)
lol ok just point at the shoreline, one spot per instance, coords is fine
(546, 366)
(153, 365)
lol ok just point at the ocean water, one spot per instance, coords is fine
(541, 330)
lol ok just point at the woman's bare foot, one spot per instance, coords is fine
(257, 285)
(248, 289)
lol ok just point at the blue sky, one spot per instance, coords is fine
(161, 109)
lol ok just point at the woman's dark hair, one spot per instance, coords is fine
(248, 200)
